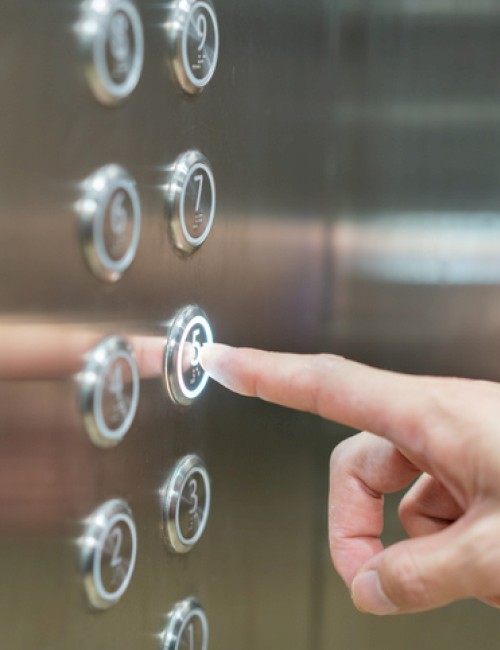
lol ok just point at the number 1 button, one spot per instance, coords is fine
(108, 553)
(187, 627)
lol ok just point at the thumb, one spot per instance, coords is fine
(415, 575)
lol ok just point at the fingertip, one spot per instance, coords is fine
(213, 354)
(218, 362)
(368, 595)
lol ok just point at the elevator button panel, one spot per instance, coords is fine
(187, 627)
(108, 553)
(113, 41)
(183, 374)
(190, 201)
(110, 221)
(109, 391)
(193, 40)
(186, 504)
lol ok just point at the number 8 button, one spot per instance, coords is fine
(108, 553)
(186, 504)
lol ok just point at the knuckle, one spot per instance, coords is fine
(348, 451)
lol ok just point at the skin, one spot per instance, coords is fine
(441, 436)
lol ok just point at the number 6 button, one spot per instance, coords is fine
(186, 504)
(190, 201)
(108, 553)
(184, 376)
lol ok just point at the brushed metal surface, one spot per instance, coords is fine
(355, 147)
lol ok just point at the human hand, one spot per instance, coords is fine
(444, 431)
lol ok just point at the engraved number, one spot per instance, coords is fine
(195, 356)
(119, 41)
(193, 496)
(191, 636)
(198, 179)
(115, 387)
(116, 537)
(201, 28)
(119, 215)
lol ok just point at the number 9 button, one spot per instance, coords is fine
(186, 504)
(108, 553)
(184, 376)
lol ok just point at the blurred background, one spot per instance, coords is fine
(355, 146)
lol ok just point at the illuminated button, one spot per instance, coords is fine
(108, 553)
(186, 504)
(193, 38)
(187, 627)
(110, 222)
(190, 201)
(113, 40)
(110, 392)
(184, 376)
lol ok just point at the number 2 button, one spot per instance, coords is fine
(108, 553)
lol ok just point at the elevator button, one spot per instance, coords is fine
(187, 627)
(109, 391)
(193, 39)
(108, 553)
(190, 201)
(184, 376)
(110, 221)
(113, 40)
(186, 504)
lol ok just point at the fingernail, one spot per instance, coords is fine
(368, 595)
(214, 359)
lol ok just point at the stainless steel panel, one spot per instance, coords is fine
(354, 146)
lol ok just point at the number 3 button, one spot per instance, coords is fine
(184, 377)
(186, 504)
(108, 553)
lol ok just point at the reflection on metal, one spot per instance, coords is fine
(423, 8)
(427, 115)
(422, 248)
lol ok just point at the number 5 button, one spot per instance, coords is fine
(184, 376)
(186, 504)
(190, 201)
(108, 553)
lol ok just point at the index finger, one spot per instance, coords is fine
(393, 405)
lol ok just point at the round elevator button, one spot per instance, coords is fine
(187, 627)
(186, 504)
(184, 376)
(193, 40)
(190, 201)
(109, 391)
(112, 37)
(108, 553)
(110, 221)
